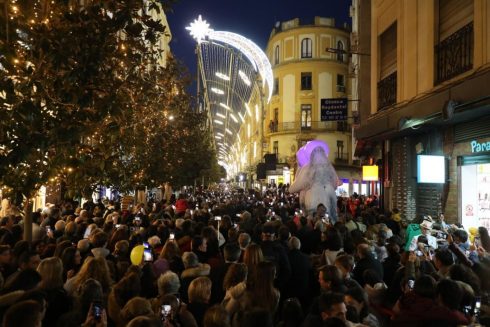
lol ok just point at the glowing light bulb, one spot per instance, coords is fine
(222, 76)
(234, 118)
(224, 106)
(217, 91)
(244, 78)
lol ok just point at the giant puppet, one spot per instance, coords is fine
(316, 179)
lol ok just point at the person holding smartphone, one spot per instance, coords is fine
(96, 316)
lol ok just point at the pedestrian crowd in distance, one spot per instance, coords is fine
(234, 257)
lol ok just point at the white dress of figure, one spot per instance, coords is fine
(318, 181)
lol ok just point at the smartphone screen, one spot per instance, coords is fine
(411, 284)
(97, 311)
(147, 255)
(166, 309)
(146, 245)
(172, 236)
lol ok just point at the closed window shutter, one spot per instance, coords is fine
(453, 15)
(388, 51)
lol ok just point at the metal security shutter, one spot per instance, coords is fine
(403, 196)
(472, 130)
(453, 14)
(388, 52)
(429, 199)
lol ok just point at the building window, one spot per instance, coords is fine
(340, 51)
(340, 83)
(276, 119)
(303, 142)
(305, 116)
(340, 149)
(306, 48)
(275, 90)
(276, 55)
(273, 124)
(454, 42)
(305, 81)
(275, 148)
(387, 68)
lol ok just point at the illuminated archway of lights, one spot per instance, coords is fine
(199, 30)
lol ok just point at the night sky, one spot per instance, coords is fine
(253, 19)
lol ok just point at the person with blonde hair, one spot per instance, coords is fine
(260, 292)
(171, 253)
(199, 294)
(235, 285)
(92, 267)
(252, 257)
(58, 301)
(127, 288)
(216, 316)
(136, 307)
(51, 271)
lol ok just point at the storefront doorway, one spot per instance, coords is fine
(475, 194)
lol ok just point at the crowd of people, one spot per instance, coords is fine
(239, 258)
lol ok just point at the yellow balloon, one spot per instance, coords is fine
(473, 232)
(137, 255)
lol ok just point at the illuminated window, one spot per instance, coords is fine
(305, 116)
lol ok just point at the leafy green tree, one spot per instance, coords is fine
(84, 102)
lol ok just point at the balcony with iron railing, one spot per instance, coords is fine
(387, 91)
(306, 127)
(454, 54)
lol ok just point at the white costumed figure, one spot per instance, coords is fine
(317, 182)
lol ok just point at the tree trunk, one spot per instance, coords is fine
(28, 220)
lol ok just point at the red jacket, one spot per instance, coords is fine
(180, 205)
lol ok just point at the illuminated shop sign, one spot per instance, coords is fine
(477, 147)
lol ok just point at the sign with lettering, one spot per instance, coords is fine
(334, 109)
(477, 147)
